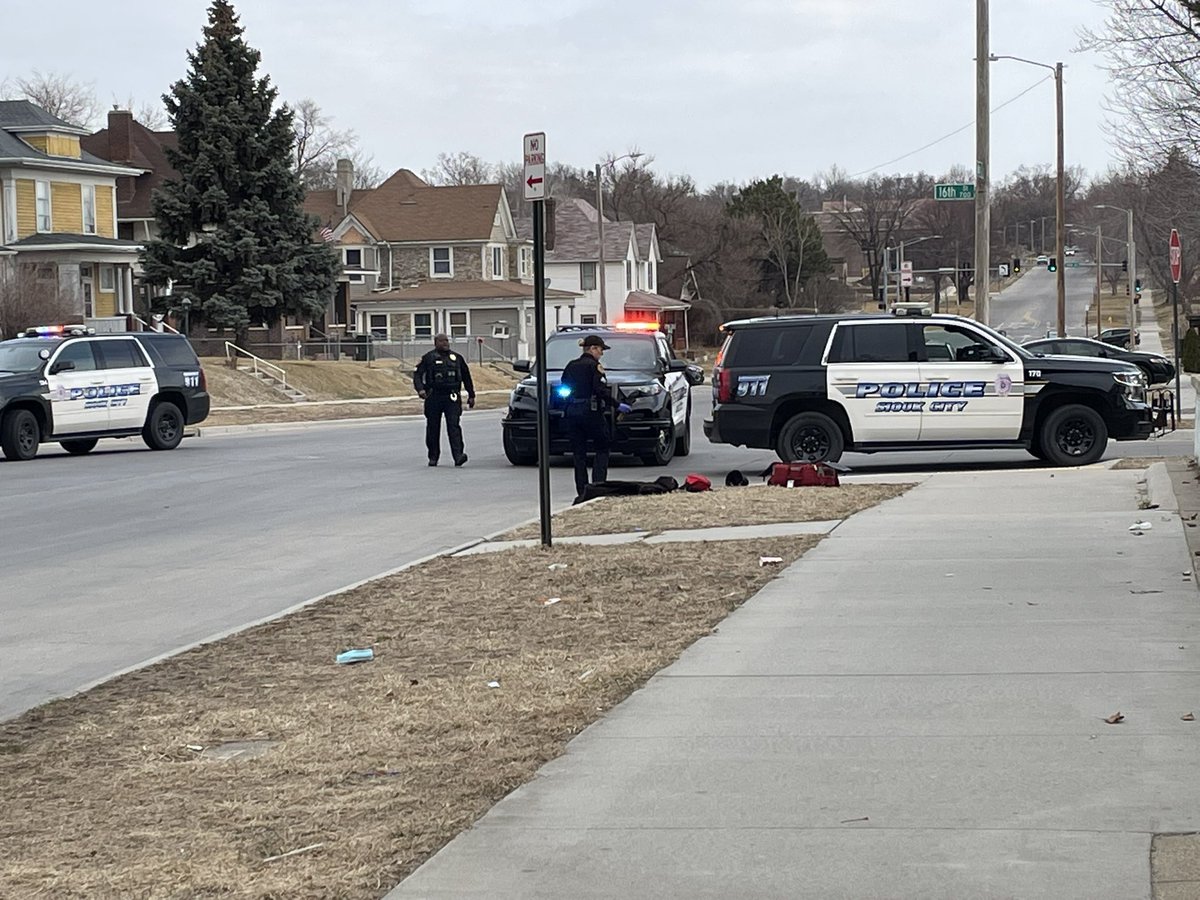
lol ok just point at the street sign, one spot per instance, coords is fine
(1002, 270)
(954, 192)
(535, 166)
(1176, 249)
(906, 273)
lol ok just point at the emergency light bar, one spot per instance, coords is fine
(58, 331)
(636, 326)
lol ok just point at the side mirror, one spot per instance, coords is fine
(694, 375)
(677, 365)
(996, 355)
(66, 365)
(521, 365)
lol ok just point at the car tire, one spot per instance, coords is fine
(79, 447)
(164, 426)
(514, 455)
(664, 448)
(810, 437)
(683, 443)
(1073, 435)
(19, 435)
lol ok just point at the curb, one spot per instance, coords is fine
(1160, 489)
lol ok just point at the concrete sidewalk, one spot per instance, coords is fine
(913, 709)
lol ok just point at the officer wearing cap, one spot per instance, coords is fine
(588, 399)
(439, 379)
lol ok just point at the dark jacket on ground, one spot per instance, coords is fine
(443, 373)
(585, 378)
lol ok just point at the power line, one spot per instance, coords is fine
(954, 132)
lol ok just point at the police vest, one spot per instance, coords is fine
(444, 372)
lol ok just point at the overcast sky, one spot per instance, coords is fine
(721, 91)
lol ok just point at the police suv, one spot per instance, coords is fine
(71, 385)
(812, 387)
(642, 371)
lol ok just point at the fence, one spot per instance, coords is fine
(362, 348)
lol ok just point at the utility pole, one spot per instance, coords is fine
(600, 274)
(983, 231)
(1059, 204)
(1099, 274)
(1132, 281)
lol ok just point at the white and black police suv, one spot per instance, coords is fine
(71, 385)
(812, 387)
(642, 371)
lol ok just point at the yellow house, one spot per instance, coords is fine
(58, 213)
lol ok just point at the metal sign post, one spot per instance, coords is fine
(1175, 248)
(535, 192)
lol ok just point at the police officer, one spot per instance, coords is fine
(587, 403)
(439, 379)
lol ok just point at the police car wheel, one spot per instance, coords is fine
(164, 427)
(664, 449)
(683, 443)
(515, 455)
(810, 437)
(19, 435)
(79, 447)
(1074, 435)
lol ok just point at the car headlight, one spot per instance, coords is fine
(1131, 380)
(525, 390)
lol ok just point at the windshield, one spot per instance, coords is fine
(1022, 352)
(22, 356)
(628, 352)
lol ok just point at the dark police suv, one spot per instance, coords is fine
(641, 369)
(71, 385)
(813, 387)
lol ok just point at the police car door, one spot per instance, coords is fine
(975, 386)
(871, 369)
(74, 383)
(676, 384)
(129, 381)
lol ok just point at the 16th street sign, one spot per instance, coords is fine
(1176, 254)
(954, 192)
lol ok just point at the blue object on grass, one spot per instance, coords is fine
(354, 656)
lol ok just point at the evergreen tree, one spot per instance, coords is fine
(237, 195)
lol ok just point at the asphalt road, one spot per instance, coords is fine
(1028, 307)
(118, 557)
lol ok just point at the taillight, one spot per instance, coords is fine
(723, 379)
(203, 380)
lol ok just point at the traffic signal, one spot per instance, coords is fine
(1016, 265)
(1124, 265)
(1137, 285)
(1053, 265)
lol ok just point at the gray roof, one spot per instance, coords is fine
(644, 235)
(12, 147)
(576, 234)
(23, 114)
(58, 238)
(20, 115)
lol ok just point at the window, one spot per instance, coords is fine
(587, 320)
(44, 220)
(497, 262)
(378, 325)
(650, 276)
(587, 276)
(353, 258)
(628, 276)
(775, 346)
(441, 262)
(957, 344)
(458, 324)
(107, 279)
(423, 325)
(885, 342)
(526, 262)
(120, 355)
(89, 209)
(79, 353)
(499, 329)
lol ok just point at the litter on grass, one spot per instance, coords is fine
(355, 656)
(1139, 527)
(769, 561)
(554, 567)
(552, 601)
(493, 684)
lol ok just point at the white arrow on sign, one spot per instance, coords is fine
(535, 166)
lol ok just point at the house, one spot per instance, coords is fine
(844, 252)
(418, 260)
(58, 214)
(629, 267)
(127, 141)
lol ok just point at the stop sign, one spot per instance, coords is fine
(1176, 256)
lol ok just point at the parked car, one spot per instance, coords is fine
(1158, 369)
(1119, 337)
(1043, 259)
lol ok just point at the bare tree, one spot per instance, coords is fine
(461, 168)
(60, 95)
(319, 146)
(27, 300)
(150, 115)
(879, 209)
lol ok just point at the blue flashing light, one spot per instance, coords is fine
(563, 390)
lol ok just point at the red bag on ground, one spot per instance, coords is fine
(696, 483)
(802, 475)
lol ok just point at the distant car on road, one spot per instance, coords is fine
(1158, 369)
(1043, 259)
(1069, 251)
(1119, 337)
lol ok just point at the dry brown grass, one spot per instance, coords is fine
(381, 763)
(752, 505)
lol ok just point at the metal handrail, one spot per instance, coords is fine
(165, 324)
(232, 350)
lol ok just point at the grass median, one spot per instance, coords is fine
(257, 767)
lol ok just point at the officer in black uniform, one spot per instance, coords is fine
(439, 379)
(587, 405)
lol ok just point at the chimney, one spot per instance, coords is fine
(120, 141)
(344, 183)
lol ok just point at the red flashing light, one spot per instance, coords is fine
(637, 326)
(724, 380)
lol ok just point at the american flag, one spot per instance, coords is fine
(327, 234)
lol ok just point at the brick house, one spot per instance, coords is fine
(58, 214)
(419, 259)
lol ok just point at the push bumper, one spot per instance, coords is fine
(628, 436)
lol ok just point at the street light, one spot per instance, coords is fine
(1059, 200)
(1131, 250)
